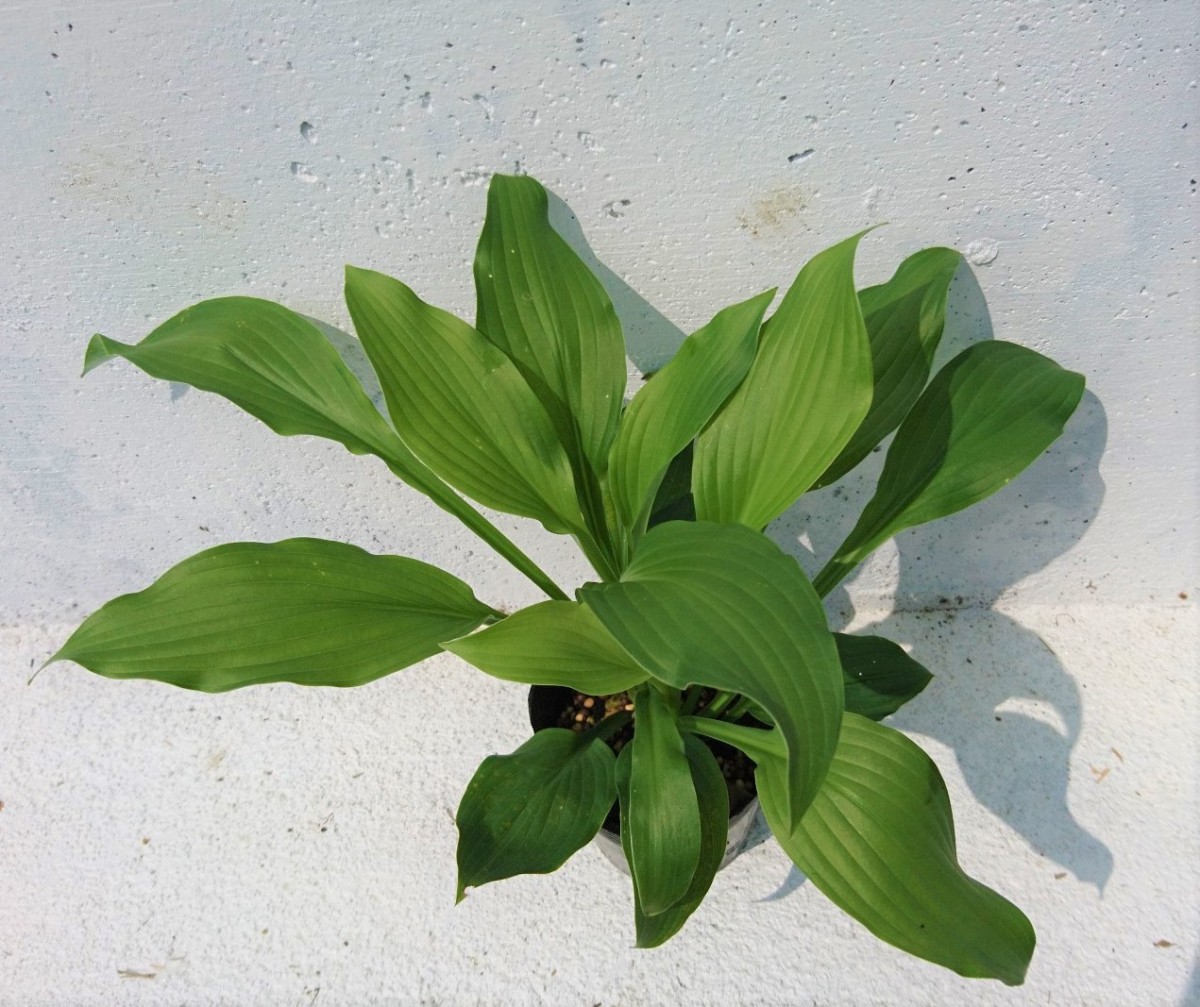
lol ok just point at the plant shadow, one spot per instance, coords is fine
(650, 338)
(354, 357)
(1004, 704)
(1000, 700)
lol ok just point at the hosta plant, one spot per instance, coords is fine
(709, 629)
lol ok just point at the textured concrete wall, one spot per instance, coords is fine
(259, 847)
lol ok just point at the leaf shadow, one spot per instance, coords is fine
(650, 338)
(1191, 995)
(354, 357)
(794, 879)
(1012, 730)
(1003, 702)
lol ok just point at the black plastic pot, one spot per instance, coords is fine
(546, 704)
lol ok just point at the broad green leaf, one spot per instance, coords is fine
(279, 367)
(272, 362)
(723, 606)
(539, 303)
(807, 392)
(904, 319)
(676, 403)
(713, 797)
(879, 676)
(302, 610)
(461, 405)
(660, 813)
(552, 643)
(984, 417)
(527, 812)
(878, 840)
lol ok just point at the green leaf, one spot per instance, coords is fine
(878, 840)
(279, 367)
(676, 403)
(985, 416)
(270, 361)
(302, 610)
(461, 405)
(660, 813)
(713, 797)
(539, 303)
(527, 812)
(879, 676)
(552, 643)
(904, 319)
(723, 606)
(805, 395)
(756, 742)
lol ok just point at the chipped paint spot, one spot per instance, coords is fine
(775, 211)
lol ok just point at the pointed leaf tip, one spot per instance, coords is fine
(540, 303)
(904, 317)
(807, 391)
(987, 415)
(99, 349)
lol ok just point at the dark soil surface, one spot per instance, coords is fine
(586, 711)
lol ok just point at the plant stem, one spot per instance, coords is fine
(831, 575)
(716, 706)
(669, 693)
(608, 726)
(756, 742)
(605, 559)
(600, 560)
(449, 501)
(738, 710)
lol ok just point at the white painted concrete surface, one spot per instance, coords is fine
(159, 153)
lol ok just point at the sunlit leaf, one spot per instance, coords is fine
(904, 319)
(984, 417)
(713, 797)
(302, 610)
(272, 362)
(660, 813)
(807, 392)
(676, 403)
(461, 404)
(552, 643)
(879, 841)
(279, 367)
(539, 303)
